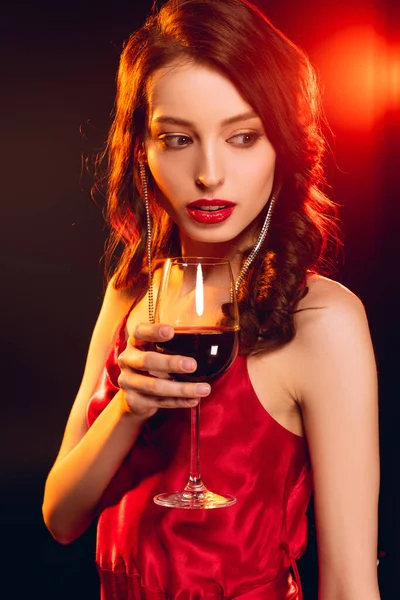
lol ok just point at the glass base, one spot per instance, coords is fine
(194, 499)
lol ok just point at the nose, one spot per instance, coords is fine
(210, 170)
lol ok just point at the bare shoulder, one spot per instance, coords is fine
(328, 293)
(326, 305)
(335, 378)
(116, 304)
(332, 331)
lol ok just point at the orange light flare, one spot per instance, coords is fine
(360, 71)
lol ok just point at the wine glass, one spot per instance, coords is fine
(197, 297)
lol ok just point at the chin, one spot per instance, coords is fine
(211, 235)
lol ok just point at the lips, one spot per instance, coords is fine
(210, 212)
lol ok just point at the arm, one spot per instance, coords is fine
(89, 458)
(337, 390)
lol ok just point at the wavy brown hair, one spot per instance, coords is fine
(276, 78)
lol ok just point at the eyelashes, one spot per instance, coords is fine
(171, 141)
(248, 139)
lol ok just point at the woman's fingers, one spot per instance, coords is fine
(161, 388)
(160, 374)
(140, 360)
(144, 395)
(144, 376)
(148, 332)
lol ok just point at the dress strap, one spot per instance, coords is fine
(297, 578)
(295, 584)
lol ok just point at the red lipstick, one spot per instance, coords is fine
(210, 212)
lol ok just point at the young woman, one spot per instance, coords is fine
(218, 108)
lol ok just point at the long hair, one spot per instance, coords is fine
(277, 80)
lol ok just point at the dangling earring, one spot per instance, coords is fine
(143, 180)
(260, 241)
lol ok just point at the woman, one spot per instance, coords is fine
(215, 104)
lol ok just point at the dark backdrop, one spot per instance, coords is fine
(57, 89)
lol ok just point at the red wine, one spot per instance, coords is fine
(214, 350)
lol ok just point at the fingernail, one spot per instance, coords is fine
(166, 331)
(202, 389)
(188, 364)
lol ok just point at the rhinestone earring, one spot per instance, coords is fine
(260, 241)
(143, 180)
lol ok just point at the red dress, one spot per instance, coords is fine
(246, 551)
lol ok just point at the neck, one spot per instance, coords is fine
(231, 250)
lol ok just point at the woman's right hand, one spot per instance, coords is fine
(144, 377)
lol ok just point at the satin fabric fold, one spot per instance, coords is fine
(245, 551)
(120, 585)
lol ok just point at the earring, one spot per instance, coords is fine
(260, 241)
(143, 180)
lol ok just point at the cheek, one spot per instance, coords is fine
(168, 187)
(167, 173)
(161, 175)
(257, 162)
(265, 168)
(255, 173)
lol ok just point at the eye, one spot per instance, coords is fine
(246, 139)
(175, 141)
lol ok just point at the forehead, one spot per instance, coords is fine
(193, 92)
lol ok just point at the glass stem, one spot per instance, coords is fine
(195, 482)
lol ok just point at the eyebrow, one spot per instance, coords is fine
(230, 121)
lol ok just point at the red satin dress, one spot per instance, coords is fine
(246, 551)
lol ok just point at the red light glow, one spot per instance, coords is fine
(361, 74)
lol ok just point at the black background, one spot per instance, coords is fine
(58, 66)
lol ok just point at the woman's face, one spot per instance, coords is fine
(205, 145)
